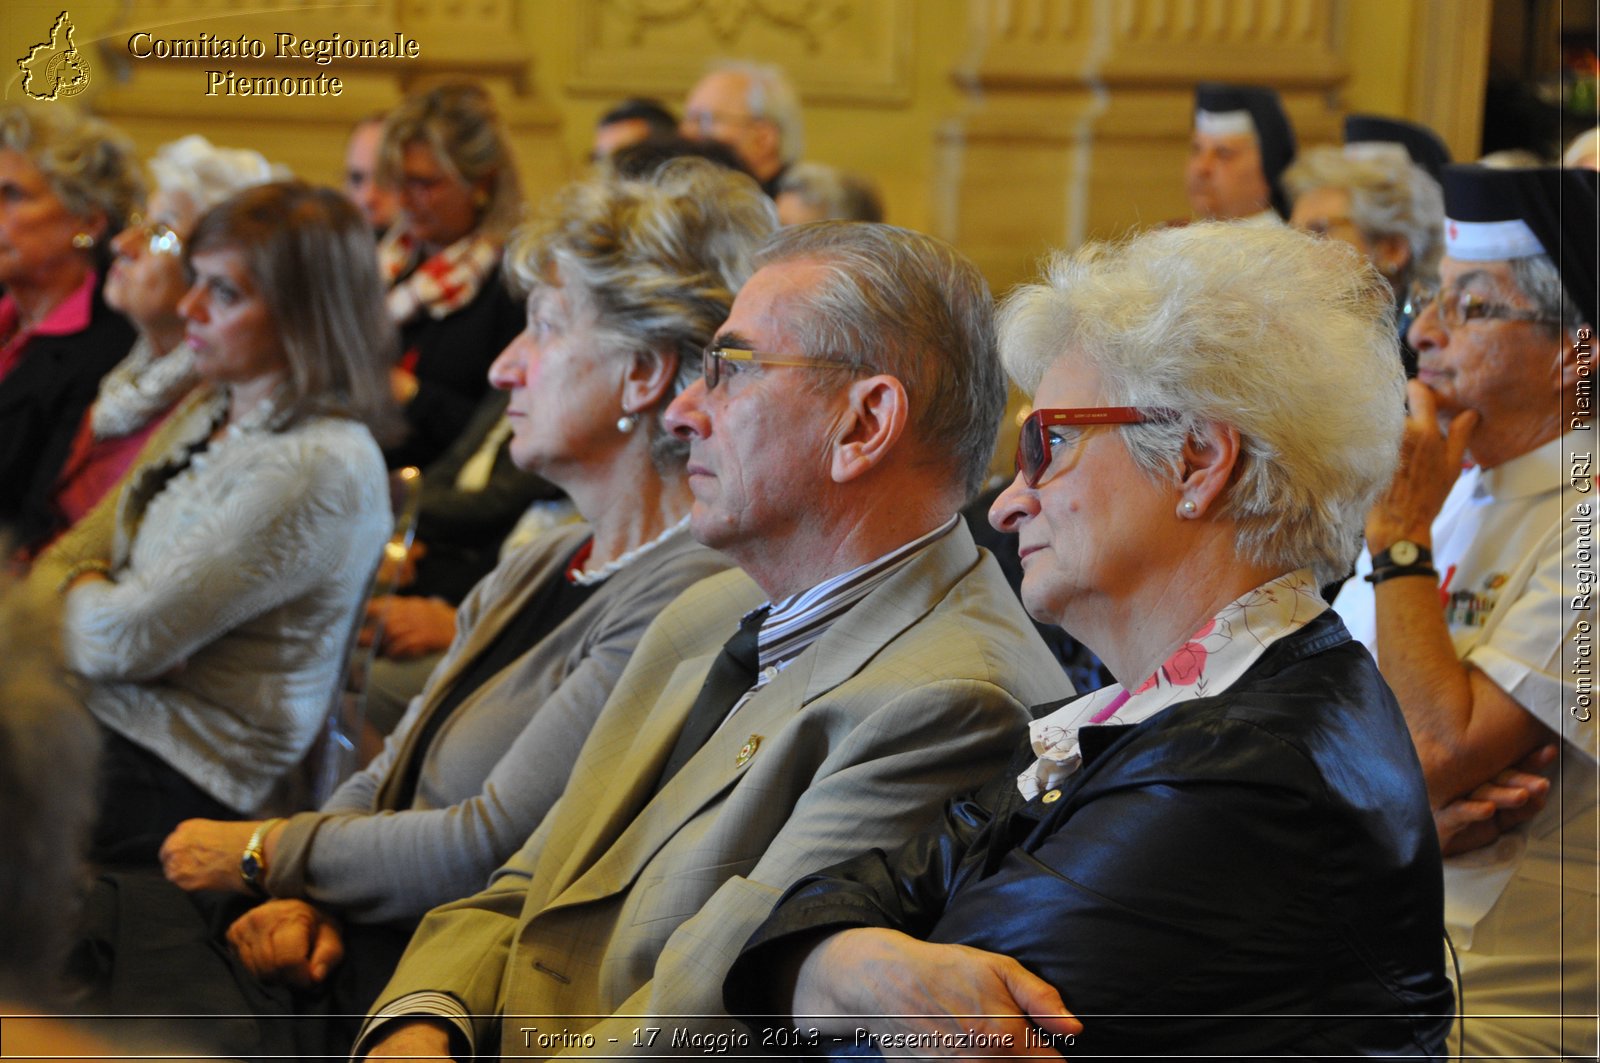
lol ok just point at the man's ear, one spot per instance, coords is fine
(648, 380)
(869, 428)
(1210, 457)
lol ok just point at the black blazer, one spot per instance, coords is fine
(451, 357)
(1254, 872)
(42, 401)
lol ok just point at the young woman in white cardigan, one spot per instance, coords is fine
(207, 603)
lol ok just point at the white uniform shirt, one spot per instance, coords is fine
(1507, 588)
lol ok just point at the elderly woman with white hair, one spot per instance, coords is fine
(146, 280)
(1230, 848)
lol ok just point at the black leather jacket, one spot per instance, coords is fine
(1253, 872)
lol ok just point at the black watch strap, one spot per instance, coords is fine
(1395, 571)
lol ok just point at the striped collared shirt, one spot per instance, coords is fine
(801, 619)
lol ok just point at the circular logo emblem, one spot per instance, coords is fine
(67, 73)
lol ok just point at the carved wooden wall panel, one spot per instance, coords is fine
(837, 51)
(1011, 126)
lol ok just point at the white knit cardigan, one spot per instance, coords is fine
(218, 640)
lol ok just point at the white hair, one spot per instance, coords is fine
(1288, 338)
(1388, 197)
(771, 95)
(201, 175)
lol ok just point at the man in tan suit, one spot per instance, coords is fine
(848, 409)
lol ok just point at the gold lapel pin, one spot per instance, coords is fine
(747, 751)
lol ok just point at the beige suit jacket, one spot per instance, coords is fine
(621, 906)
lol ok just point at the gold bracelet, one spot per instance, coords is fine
(82, 568)
(253, 863)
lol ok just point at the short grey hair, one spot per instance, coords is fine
(658, 259)
(1539, 278)
(90, 166)
(458, 122)
(200, 175)
(839, 195)
(913, 307)
(771, 95)
(1389, 196)
(1288, 338)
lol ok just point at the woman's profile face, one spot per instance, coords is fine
(1090, 533)
(230, 326)
(565, 391)
(1325, 211)
(147, 277)
(36, 228)
(442, 208)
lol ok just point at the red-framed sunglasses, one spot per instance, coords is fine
(1034, 448)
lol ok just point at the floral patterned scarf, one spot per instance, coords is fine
(1210, 662)
(441, 284)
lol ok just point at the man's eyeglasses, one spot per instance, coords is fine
(713, 359)
(1457, 306)
(159, 237)
(1046, 431)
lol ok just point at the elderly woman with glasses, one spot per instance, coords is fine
(67, 183)
(145, 283)
(1380, 203)
(1229, 850)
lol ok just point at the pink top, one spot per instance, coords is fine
(94, 466)
(68, 316)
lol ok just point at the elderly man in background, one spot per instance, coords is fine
(753, 109)
(1474, 588)
(882, 664)
(1241, 144)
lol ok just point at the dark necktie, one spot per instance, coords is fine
(732, 673)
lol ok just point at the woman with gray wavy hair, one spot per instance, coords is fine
(1230, 847)
(1385, 206)
(146, 280)
(629, 280)
(67, 182)
(1380, 203)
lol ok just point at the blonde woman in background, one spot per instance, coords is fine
(446, 153)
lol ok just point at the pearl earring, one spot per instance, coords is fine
(1188, 508)
(626, 423)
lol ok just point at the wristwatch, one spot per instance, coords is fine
(253, 862)
(1403, 558)
(1402, 554)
